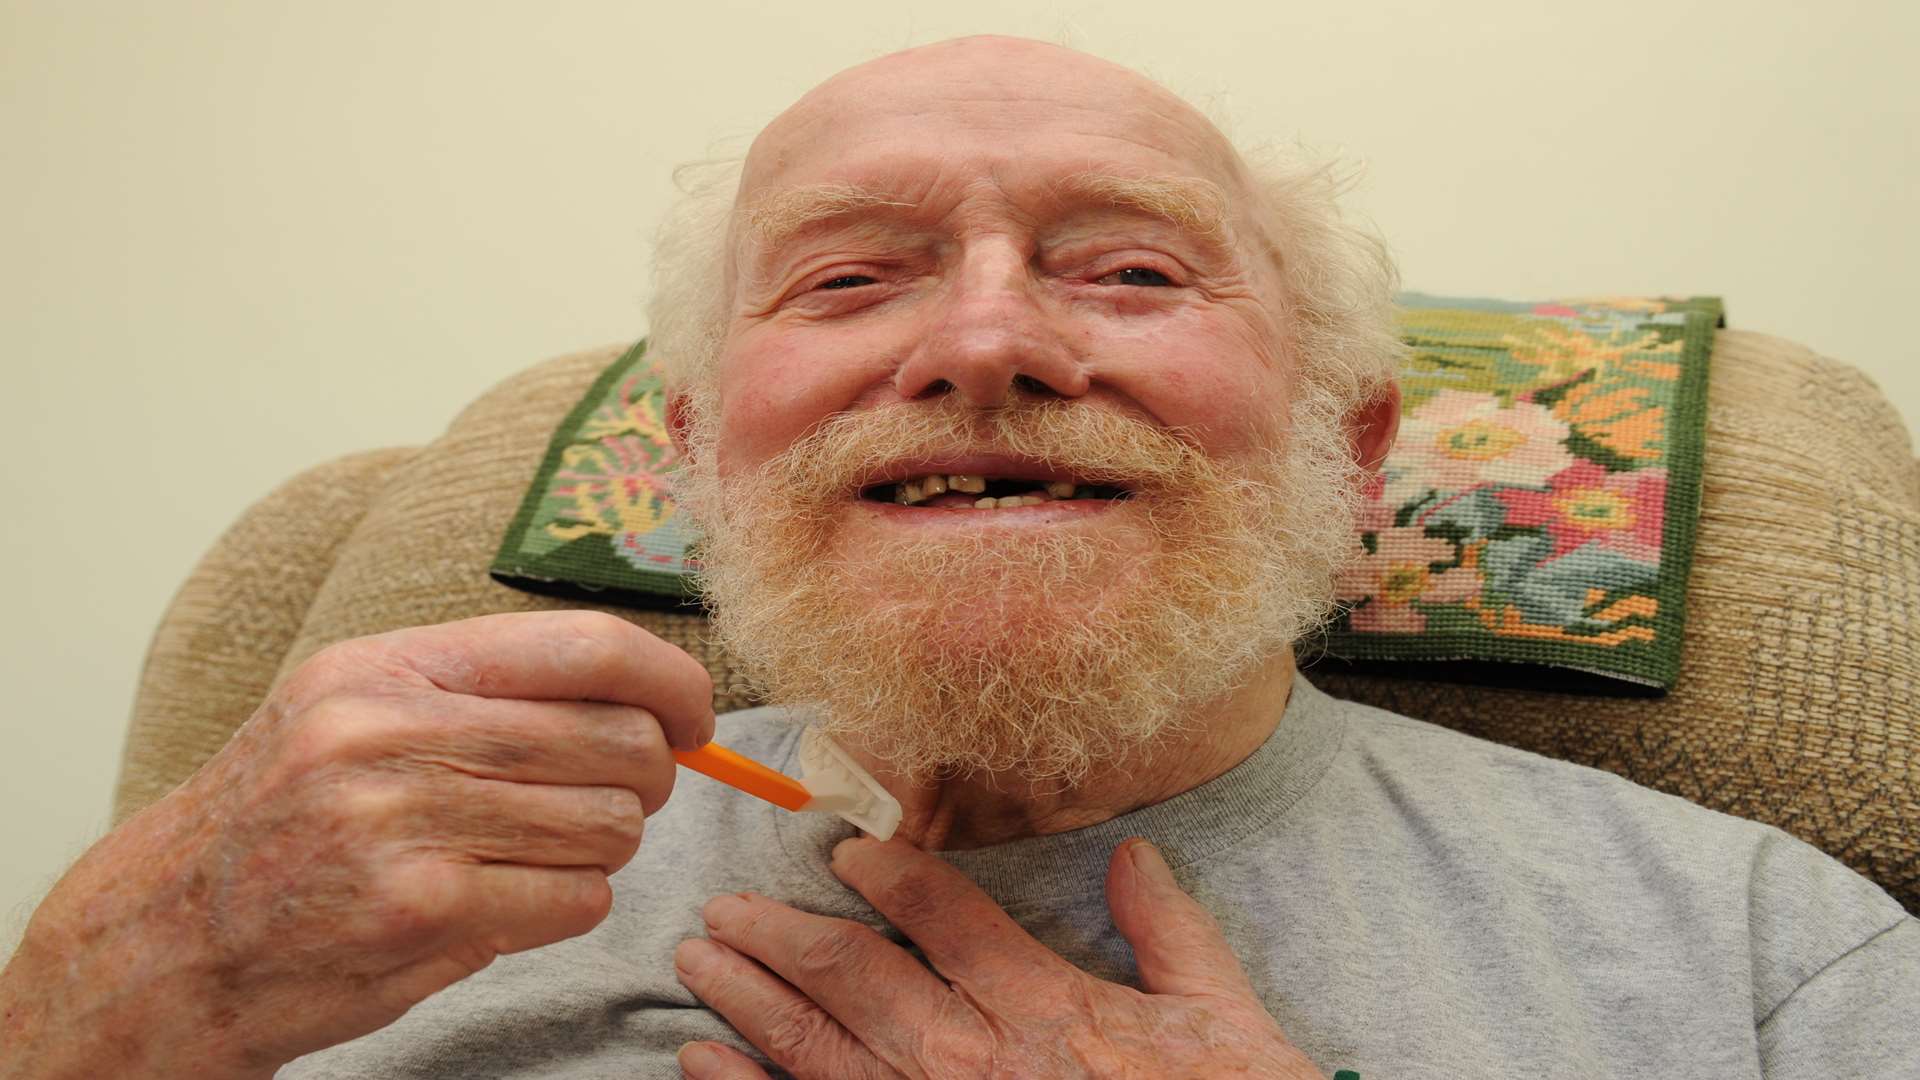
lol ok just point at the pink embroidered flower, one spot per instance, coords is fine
(1620, 511)
(1396, 573)
(1457, 440)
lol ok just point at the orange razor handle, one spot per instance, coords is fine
(745, 774)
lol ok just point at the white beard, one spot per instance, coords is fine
(1038, 652)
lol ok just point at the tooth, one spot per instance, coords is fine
(933, 485)
(910, 493)
(986, 504)
(1012, 500)
(1034, 500)
(972, 485)
(1061, 489)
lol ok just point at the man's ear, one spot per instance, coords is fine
(678, 419)
(1372, 426)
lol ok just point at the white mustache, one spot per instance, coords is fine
(1092, 442)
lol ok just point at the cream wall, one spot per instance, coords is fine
(240, 238)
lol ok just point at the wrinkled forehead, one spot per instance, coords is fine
(984, 109)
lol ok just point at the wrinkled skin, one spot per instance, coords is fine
(403, 809)
(802, 988)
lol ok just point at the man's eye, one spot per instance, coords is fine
(1136, 275)
(846, 281)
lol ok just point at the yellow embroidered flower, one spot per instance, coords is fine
(1565, 353)
(616, 483)
(1479, 439)
(1596, 508)
(634, 414)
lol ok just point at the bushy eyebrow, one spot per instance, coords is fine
(1190, 203)
(774, 218)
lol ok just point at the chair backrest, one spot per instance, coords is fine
(1798, 704)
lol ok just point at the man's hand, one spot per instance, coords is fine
(400, 811)
(836, 1000)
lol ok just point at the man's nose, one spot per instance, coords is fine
(993, 331)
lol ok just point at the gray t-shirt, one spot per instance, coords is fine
(1408, 901)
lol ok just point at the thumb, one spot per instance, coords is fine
(1176, 945)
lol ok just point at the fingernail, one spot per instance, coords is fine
(696, 955)
(706, 733)
(699, 1059)
(1147, 860)
(722, 908)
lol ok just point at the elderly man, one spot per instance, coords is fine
(1024, 418)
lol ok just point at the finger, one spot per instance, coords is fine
(960, 930)
(440, 922)
(794, 1032)
(532, 824)
(526, 907)
(837, 964)
(714, 1061)
(1177, 946)
(541, 742)
(561, 656)
(482, 908)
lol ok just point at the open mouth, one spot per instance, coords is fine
(967, 491)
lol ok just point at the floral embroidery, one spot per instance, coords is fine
(1457, 440)
(1526, 512)
(601, 515)
(1397, 572)
(617, 483)
(1622, 511)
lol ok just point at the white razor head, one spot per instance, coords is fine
(840, 786)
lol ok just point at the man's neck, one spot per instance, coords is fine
(995, 808)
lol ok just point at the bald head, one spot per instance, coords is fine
(991, 92)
